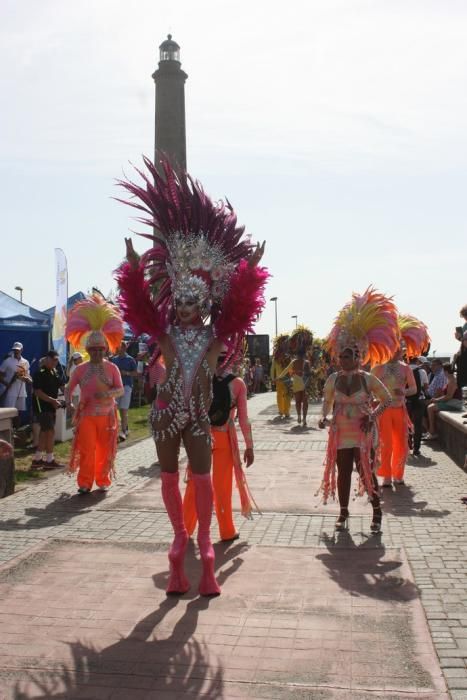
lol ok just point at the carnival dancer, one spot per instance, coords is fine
(199, 268)
(97, 325)
(365, 331)
(229, 402)
(299, 370)
(416, 339)
(280, 361)
(394, 424)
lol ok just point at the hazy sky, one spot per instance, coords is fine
(337, 128)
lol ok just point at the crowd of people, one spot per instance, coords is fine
(196, 294)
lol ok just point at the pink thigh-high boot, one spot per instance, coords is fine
(178, 582)
(204, 500)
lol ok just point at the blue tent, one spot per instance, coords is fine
(22, 323)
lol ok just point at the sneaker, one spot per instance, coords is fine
(122, 437)
(53, 465)
(37, 463)
(387, 483)
(83, 490)
(416, 453)
(103, 489)
(400, 482)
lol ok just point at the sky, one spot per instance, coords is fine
(335, 127)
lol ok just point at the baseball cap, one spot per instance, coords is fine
(76, 356)
(17, 346)
(424, 360)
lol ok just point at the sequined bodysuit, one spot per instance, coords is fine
(184, 398)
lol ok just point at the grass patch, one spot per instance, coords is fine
(137, 423)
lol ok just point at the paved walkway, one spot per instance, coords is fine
(303, 613)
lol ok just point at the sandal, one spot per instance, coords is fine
(342, 521)
(377, 518)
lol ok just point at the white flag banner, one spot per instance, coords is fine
(61, 300)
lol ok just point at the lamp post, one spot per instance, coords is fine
(20, 290)
(274, 299)
(296, 320)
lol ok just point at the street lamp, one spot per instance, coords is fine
(20, 290)
(296, 319)
(274, 299)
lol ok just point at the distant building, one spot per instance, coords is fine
(170, 105)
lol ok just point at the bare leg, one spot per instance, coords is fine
(345, 459)
(305, 407)
(374, 497)
(124, 420)
(298, 405)
(168, 452)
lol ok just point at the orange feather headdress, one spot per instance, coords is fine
(368, 326)
(414, 334)
(94, 322)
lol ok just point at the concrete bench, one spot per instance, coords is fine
(453, 435)
(7, 466)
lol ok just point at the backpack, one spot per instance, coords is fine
(222, 400)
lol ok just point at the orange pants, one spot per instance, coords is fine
(222, 478)
(393, 436)
(94, 447)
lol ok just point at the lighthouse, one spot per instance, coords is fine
(170, 136)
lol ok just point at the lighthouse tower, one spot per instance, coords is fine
(170, 105)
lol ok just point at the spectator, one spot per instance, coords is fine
(450, 400)
(460, 330)
(438, 381)
(460, 361)
(258, 376)
(35, 427)
(416, 403)
(426, 365)
(46, 383)
(14, 377)
(75, 360)
(247, 375)
(128, 369)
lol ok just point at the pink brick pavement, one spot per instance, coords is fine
(92, 620)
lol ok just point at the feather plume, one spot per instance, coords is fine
(94, 314)
(369, 323)
(301, 340)
(414, 334)
(280, 348)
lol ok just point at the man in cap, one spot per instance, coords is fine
(14, 377)
(47, 384)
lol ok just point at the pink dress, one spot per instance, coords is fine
(345, 431)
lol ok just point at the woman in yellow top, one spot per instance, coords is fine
(280, 361)
(299, 370)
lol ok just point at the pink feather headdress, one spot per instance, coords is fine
(368, 326)
(197, 245)
(414, 334)
(94, 322)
